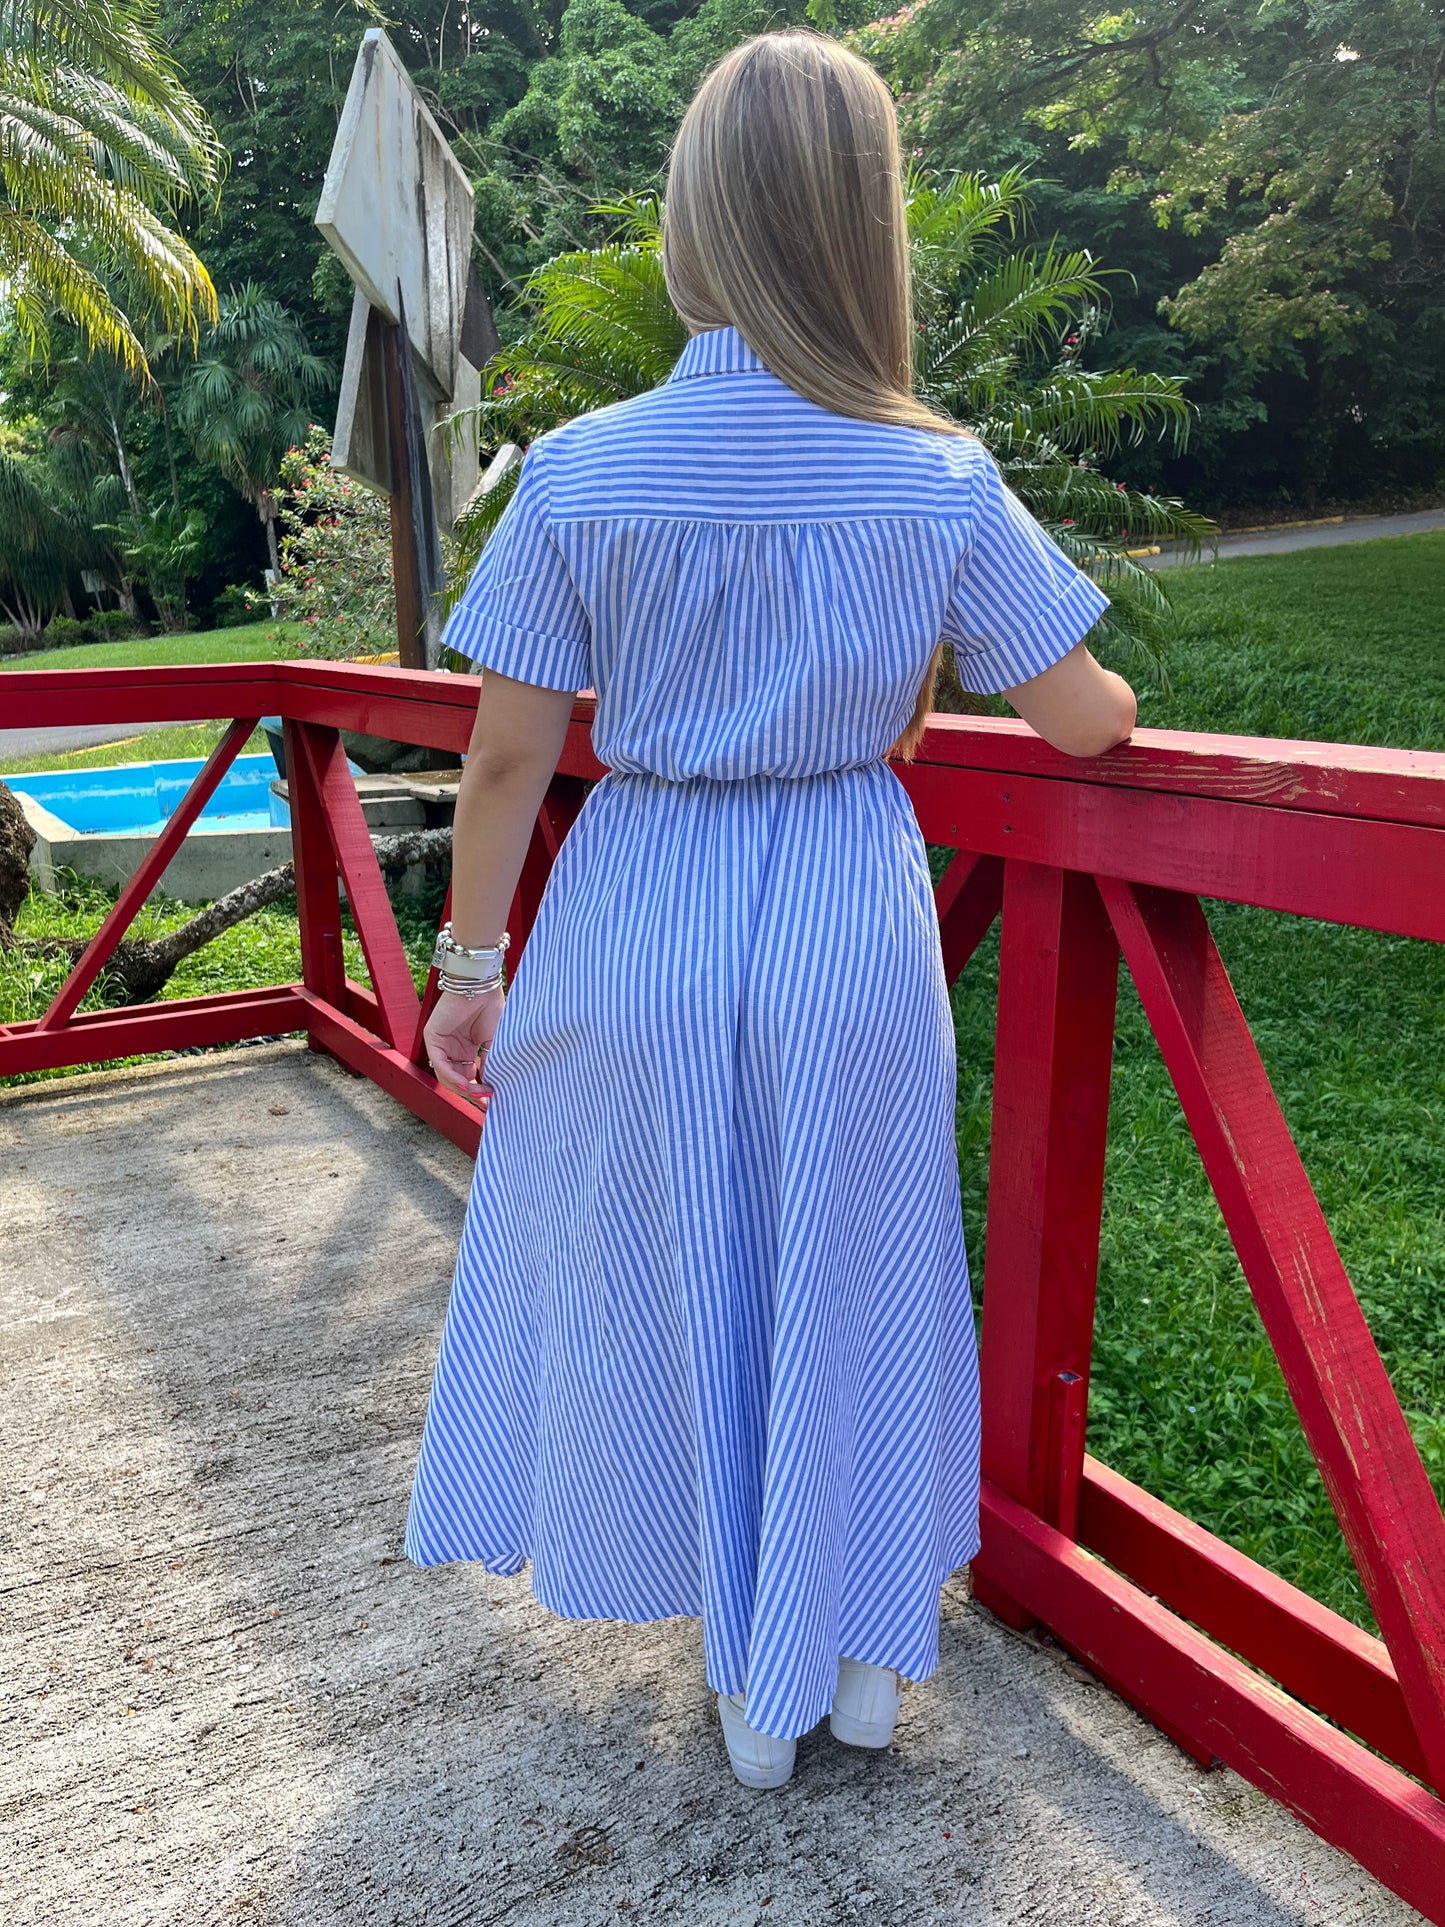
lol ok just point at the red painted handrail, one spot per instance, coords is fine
(1088, 862)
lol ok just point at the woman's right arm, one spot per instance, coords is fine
(1076, 704)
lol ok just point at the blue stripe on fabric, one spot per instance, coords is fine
(726, 563)
(710, 1344)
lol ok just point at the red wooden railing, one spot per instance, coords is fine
(1087, 861)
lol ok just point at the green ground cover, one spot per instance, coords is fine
(265, 949)
(255, 642)
(1332, 645)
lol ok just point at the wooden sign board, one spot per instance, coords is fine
(398, 210)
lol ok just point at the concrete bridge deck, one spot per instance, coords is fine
(227, 1699)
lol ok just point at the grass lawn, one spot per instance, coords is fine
(1333, 644)
(255, 642)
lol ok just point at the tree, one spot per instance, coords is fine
(1001, 329)
(100, 146)
(273, 75)
(1292, 148)
(44, 536)
(248, 399)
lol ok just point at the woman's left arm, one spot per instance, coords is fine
(515, 746)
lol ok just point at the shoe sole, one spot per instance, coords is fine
(860, 1732)
(761, 1779)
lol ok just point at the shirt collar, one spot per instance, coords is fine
(716, 351)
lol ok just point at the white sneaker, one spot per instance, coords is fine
(757, 1758)
(865, 1705)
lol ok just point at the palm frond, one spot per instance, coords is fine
(1082, 409)
(99, 145)
(947, 223)
(107, 38)
(1010, 310)
(44, 275)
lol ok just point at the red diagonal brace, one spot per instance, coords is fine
(1346, 1403)
(429, 996)
(969, 896)
(153, 867)
(371, 910)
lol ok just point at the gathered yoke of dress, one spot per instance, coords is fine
(710, 1344)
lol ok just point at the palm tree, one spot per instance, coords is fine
(99, 145)
(248, 398)
(1001, 332)
(45, 540)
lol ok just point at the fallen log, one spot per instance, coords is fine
(140, 967)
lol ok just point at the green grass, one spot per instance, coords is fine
(1335, 645)
(1340, 645)
(256, 642)
(265, 949)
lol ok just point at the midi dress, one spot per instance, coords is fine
(710, 1344)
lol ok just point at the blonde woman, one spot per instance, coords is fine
(710, 1348)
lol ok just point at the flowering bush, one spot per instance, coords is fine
(335, 557)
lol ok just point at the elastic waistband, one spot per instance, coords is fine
(759, 777)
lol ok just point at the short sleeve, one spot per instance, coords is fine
(521, 614)
(1018, 604)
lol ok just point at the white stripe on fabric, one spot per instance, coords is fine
(710, 1345)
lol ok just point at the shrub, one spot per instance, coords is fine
(64, 632)
(114, 625)
(335, 558)
(233, 606)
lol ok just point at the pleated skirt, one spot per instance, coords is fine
(710, 1347)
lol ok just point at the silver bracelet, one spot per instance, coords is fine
(467, 986)
(460, 961)
(444, 935)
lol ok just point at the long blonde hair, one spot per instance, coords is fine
(785, 219)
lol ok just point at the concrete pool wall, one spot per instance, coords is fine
(101, 823)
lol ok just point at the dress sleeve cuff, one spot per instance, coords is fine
(1037, 647)
(549, 662)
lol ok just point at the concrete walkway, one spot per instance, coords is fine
(1321, 535)
(227, 1699)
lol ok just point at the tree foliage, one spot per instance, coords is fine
(44, 535)
(249, 396)
(1281, 162)
(100, 147)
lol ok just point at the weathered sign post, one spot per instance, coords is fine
(397, 208)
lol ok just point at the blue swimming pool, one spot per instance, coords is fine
(137, 799)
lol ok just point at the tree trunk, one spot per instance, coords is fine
(17, 840)
(140, 968)
(266, 509)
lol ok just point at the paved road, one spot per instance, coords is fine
(230, 1698)
(1360, 528)
(17, 744)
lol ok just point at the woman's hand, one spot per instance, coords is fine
(458, 1034)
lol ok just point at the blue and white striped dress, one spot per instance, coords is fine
(710, 1348)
